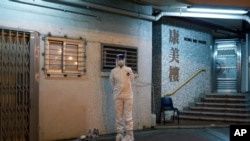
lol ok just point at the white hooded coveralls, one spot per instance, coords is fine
(121, 81)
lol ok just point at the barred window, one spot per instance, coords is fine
(64, 56)
(109, 53)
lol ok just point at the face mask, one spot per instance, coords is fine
(120, 63)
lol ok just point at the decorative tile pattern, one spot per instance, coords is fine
(193, 45)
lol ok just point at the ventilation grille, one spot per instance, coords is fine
(109, 54)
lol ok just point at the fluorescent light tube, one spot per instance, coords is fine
(214, 10)
(225, 45)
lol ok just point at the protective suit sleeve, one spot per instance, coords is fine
(111, 79)
(132, 77)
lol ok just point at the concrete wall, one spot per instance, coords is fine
(69, 107)
(192, 56)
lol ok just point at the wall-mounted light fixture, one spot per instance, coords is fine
(216, 10)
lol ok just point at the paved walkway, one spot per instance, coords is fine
(198, 134)
(174, 132)
(186, 131)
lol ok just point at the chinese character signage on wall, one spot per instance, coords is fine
(174, 55)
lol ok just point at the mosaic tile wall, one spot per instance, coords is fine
(180, 49)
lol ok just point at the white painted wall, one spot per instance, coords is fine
(69, 107)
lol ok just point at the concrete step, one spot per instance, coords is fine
(225, 105)
(228, 108)
(215, 114)
(228, 95)
(216, 119)
(218, 109)
(224, 100)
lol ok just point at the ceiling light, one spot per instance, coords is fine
(225, 45)
(214, 10)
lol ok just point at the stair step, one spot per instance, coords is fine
(209, 104)
(236, 120)
(244, 115)
(228, 95)
(219, 109)
(223, 108)
(230, 100)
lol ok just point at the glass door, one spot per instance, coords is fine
(226, 66)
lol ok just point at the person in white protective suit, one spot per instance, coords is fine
(121, 79)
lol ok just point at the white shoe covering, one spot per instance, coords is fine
(119, 137)
(129, 136)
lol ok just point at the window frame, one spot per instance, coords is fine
(64, 47)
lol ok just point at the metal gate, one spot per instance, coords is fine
(227, 66)
(18, 85)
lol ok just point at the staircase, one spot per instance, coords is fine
(221, 108)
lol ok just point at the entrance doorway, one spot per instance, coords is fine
(227, 66)
(18, 85)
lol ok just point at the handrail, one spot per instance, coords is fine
(184, 83)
